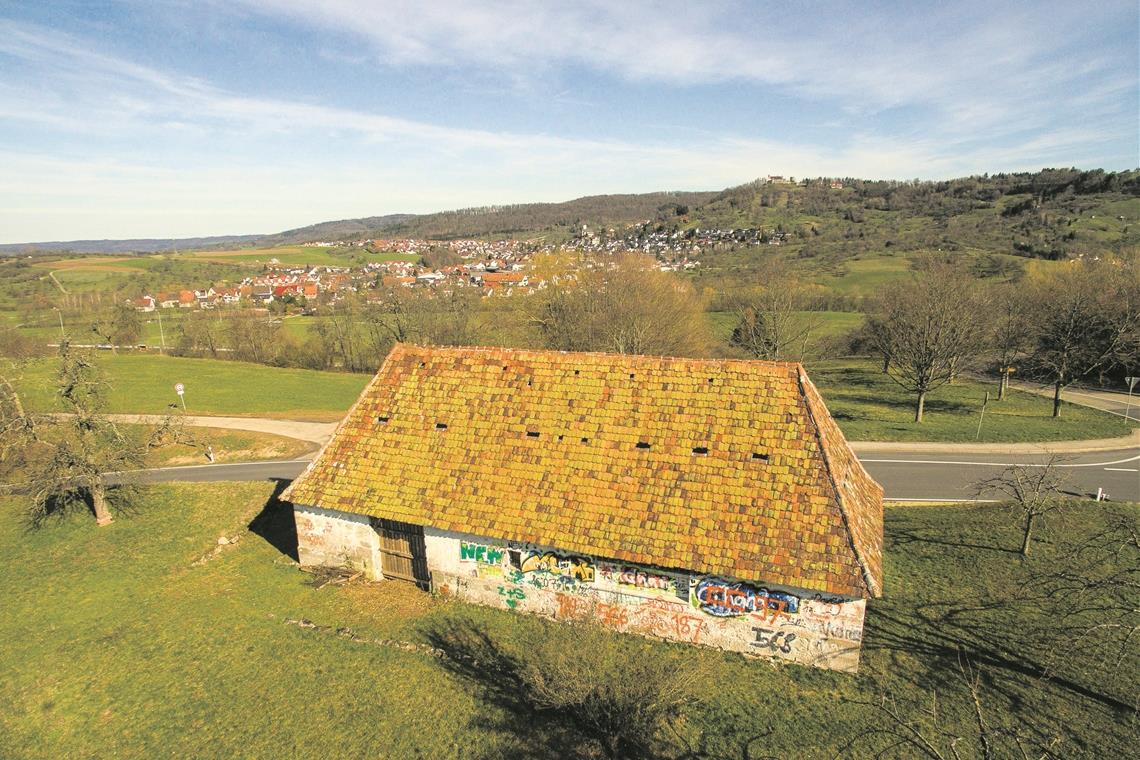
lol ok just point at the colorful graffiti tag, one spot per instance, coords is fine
(624, 575)
(481, 553)
(722, 598)
(578, 569)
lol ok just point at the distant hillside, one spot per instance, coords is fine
(1051, 214)
(137, 245)
(555, 218)
(339, 230)
(343, 229)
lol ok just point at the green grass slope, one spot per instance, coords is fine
(118, 642)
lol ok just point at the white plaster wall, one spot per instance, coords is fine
(774, 621)
(337, 539)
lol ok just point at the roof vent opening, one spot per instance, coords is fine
(702, 450)
(530, 381)
(560, 437)
(760, 457)
(504, 368)
(643, 444)
(441, 426)
(382, 419)
(585, 440)
(710, 380)
(532, 434)
(423, 364)
(630, 375)
(577, 372)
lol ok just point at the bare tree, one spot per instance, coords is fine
(1011, 330)
(771, 321)
(1086, 320)
(1034, 490)
(928, 326)
(69, 455)
(624, 306)
(202, 331)
(253, 336)
(118, 326)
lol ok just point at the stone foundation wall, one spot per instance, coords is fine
(337, 539)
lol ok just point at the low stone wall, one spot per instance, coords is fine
(337, 539)
(781, 622)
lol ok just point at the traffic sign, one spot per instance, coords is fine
(179, 388)
(1132, 382)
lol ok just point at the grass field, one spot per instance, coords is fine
(229, 446)
(115, 643)
(144, 383)
(867, 405)
(831, 324)
(870, 407)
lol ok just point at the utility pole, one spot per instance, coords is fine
(982, 416)
(1131, 384)
(161, 335)
(58, 313)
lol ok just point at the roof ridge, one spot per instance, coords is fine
(808, 391)
(611, 354)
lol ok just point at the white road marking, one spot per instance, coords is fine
(1122, 469)
(998, 464)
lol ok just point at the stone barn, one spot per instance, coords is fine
(713, 502)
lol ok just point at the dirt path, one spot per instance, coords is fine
(314, 432)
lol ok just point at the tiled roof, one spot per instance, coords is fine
(723, 467)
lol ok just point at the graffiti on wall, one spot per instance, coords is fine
(775, 641)
(721, 598)
(481, 553)
(636, 577)
(568, 569)
(512, 596)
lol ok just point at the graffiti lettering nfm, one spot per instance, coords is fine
(781, 622)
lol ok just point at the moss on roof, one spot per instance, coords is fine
(722, 467)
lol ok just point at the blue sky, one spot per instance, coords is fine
(169, 118)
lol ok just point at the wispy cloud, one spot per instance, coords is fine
(114, 147)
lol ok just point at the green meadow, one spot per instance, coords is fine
(147, 638)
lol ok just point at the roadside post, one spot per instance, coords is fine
(982, 416)
(180, 389)
(1131, 384)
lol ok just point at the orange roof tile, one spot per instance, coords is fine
(605, 455)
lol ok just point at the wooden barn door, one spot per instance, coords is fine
(402, 552)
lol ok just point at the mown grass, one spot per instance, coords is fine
(869, 406)
(829, 324)
(144, 383)
(228, 446)
(114, 644)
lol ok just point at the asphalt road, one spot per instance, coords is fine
(904, 476)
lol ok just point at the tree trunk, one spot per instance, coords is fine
(918, 407)
(1026, 536)
(1057, 399)
(886, 363)
(99, 501)
(1003, 384)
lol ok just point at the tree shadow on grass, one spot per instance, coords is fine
(903, 536)
(527, 731)
(275, 523)
(940, 632)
